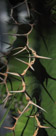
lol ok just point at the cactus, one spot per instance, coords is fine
(27, 57)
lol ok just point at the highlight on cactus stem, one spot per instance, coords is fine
(27, 49)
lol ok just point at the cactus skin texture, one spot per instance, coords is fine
(27, 67)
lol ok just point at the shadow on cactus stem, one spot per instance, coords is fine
(41, 74)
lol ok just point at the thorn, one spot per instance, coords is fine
(14, 74)
(36, 132)
(10, 128)
(17, 48)
(15, 118)
(19, 112)
(29, 64)
(30, 102)
(32, 68)
(20, 91)
(19, 51)
(42, 57)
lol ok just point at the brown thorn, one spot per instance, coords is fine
(38, 123)
(37, 56)
(36, 132)
(19, 51)
(20, 91)
(30, 102)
